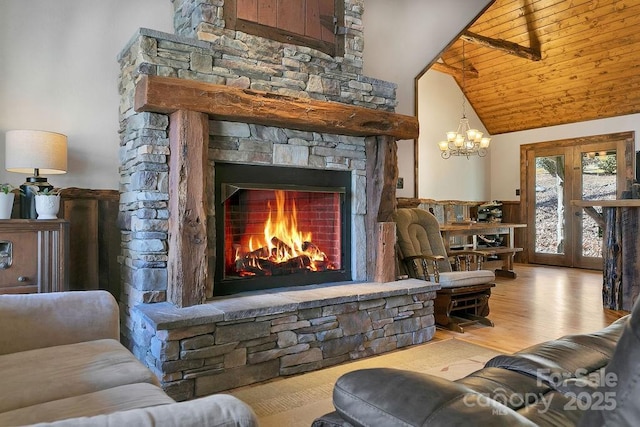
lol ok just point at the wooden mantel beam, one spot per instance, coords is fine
(511, 48)
(168, 94)
(453, 71)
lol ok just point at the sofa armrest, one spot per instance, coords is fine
(33, 321)
(383, 396)
(218, 410)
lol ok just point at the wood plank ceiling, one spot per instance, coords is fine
(589, 67)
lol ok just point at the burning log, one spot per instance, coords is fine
(267, 267)
(281, 250)
(262, 252)
(316, 254)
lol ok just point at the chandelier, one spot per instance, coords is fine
(465, 141)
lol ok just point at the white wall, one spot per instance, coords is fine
(401, 38)
(439, 111)
(59, 73)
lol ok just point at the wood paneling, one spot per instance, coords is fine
(291, 16)
(247, 9)
(329, 8)
(268, 12)
(303, 22)
(94, 238)
(589, 67)
(312, 25)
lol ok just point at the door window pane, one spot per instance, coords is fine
(598, 183)
(549, 212)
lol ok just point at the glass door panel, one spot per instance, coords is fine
(549, 204)
(599, 172)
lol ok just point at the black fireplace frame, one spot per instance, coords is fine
(230, 176)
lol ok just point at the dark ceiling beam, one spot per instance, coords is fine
(453, 71)
(503, 45)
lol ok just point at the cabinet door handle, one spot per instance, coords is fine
(23, 279)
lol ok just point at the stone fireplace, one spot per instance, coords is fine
(208, 99)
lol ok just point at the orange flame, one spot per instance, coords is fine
(282, 239)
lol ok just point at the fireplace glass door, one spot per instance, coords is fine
(275, 234)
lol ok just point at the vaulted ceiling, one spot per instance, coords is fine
(589, 66)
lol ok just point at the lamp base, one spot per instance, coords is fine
(28, 191)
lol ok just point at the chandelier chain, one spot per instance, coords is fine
(465, 141)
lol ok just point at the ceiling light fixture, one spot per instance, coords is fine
(465, 141)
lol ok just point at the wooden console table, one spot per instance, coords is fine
(620, 221)
(504, 253)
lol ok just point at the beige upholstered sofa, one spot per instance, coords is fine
(61, 362)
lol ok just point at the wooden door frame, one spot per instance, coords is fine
(626, 162)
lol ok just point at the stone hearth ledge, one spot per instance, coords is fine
(246, 305)
(255, 336)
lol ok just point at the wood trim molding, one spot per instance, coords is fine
(167, 95)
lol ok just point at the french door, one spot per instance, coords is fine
(595, 168)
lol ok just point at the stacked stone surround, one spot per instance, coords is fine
(203, 50)
(229, 343)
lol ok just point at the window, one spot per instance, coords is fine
(311, 23)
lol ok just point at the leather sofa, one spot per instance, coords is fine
(587, 380)
(62, 364)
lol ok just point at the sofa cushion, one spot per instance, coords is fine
(391, 397)
(218, 410)
(553, 409)
(510, 388)
(555, 361)
(29, 321)
(63, 371)
(106, 401)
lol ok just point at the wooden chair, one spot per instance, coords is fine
(464, 294)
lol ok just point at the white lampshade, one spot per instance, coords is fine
(27, 150)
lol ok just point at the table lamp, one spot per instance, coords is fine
(34, 151)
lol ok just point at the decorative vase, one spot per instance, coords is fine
(6, 204)
(47, 206)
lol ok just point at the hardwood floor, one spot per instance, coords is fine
(541, 304)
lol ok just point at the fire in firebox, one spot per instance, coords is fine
(283, 249)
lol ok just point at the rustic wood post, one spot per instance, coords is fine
(386, 252)
(187, 254)
(612, 256)
(630, 223)
(382, 176)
